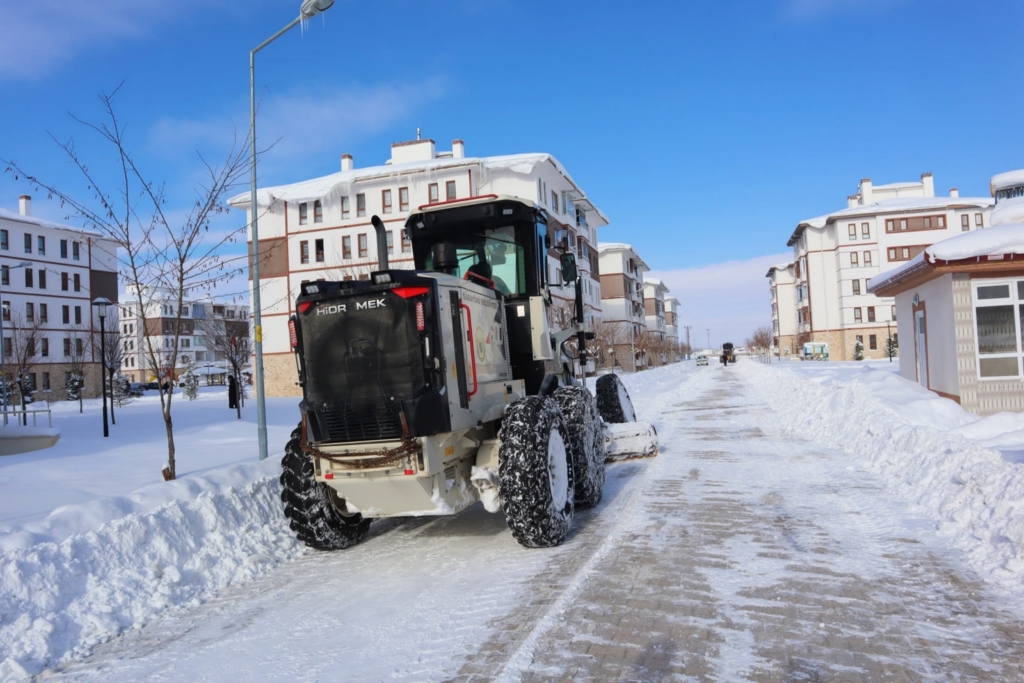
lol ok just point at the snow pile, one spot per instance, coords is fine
(1007, 238)
(60, 599)
(923, 446)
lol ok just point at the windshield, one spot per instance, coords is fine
(490, 256)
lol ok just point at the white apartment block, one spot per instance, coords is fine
(654, 306)
(672, 319)
(49, 275)
(320, 228)
(782, 284)
(622, 286)
(836, 254)
(199, 318)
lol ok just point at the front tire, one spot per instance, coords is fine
(315, 512)
(535, 472)
(613, 400)
(586, 443)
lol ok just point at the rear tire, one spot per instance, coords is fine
(586, 443)
(315, 512)
(535, 472)
(613, 400)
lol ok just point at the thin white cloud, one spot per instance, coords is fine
(807, 10)
(730, 298)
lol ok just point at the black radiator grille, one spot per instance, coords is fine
(361, 423)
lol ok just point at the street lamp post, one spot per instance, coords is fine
(888, 343)
(3, 356)
(101, 308)
(309, 9)
(709, 337)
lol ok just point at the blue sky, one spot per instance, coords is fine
(704, 130)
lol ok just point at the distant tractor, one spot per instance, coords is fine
(727, 354)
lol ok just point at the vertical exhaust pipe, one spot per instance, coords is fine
(382, 242)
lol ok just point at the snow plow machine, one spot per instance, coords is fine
(427, 390)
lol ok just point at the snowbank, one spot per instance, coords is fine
(927, 448)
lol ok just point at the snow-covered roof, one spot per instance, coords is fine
(32, 220)
(778, 266)
(1008, 179)
(897, 186)
(886, 206)
(997, 241)
(614, 246)
(1008, 211)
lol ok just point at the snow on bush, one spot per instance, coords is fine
(916, 441)
(60, 598)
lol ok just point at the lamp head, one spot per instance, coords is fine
(311, 8)
(101, 304)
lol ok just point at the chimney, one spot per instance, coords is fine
(865, 192)
(458, 149)
(954, 192)
(929, 184)
(25, 205)
(346, 162)
(851, 201)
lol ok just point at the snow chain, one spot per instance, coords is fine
(384, 457)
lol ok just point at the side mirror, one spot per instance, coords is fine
(568, 267)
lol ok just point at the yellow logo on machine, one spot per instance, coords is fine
(481, 344)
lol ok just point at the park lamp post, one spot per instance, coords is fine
(101, 304)
(308, 10)
(3, 356)
(888, 343)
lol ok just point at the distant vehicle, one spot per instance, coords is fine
(702, 360)
(155, 386)
(727, 354)
(136, 389)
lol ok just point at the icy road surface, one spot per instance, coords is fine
(738, 554)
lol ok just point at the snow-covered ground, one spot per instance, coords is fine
(205, 570)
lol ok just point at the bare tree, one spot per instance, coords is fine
(25, 339)
(174, 252)
(230, 340)
(76, 351)
(761, 340)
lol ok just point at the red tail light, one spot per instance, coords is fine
(304, 306)
(409, 292)
(292, 336)
(421, 323)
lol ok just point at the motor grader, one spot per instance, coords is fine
(427, 390)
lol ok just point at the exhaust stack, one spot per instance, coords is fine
(382, 242)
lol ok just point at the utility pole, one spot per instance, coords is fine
(689, 349)
(709, 337)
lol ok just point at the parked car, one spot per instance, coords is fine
(155, 386)
(702, 360)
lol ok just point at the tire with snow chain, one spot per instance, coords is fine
(535, 472)
(316, 514)
(613, 400)
(585, 442)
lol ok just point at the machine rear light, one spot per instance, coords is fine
(328, 475)
(421, 323)
(409, 292)
(304, 306)
(410, 471)
(293, 337)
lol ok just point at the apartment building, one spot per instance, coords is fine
(622, 287)
(49, 275)
(672, 320)
(203, 320)
(836, 254)
(782, 284)
(320, 228)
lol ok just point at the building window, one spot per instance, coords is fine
(63, 248)
(5, 276)
(7, 347)
(873, 342)
(319, 245)
(44, 313)
(554, 201)
(74, 251)
(30, 311)
(449, 190)
(865, 230)
(362, 245)
(64, 279)
(303, 217)
(871, 314)
(856, 286)
(979, 221)
(41, 244)
(903, 224)
(927, 222)
(304, 251)
(406, 242)
(42, 278)
(867, 258)
(318, 212)
(28, 277)
(346, 247)
(67, 346)
(28, 243)
(78, 282)
(857, 315)
(997, 315)
(78, 315)
(79, 347)
(860, 338)
(385, 200)
(892, 254)
(360, 205)
(893, 313)
(66, 314)
(403, 199)
(965, 222)
(44, 349)
(853, 231)
(432, 193)
(391, 242)
(854, 259)
(889, 226)
(344, 207)
(4, 244)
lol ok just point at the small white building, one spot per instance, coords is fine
(49, 275)
(960, 306)
(320, 228)
(782, 285)
(672, 321)
(836, 254)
